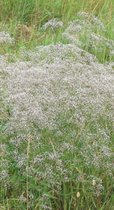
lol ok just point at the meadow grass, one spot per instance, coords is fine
(33, 14)
(71, 182)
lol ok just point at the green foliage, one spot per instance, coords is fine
(23, 19)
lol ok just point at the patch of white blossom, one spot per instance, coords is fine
(53, 24)
(60, 89)
(6, 38)
(91, 19)
(58, 78)
(86, 32)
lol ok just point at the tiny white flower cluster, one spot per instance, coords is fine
(97, 185)
(64, 98)
(6, 38)
(53, 24)
(85, 33)
(91, 19)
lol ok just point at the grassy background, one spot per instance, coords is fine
(16, 15)
(38, 11)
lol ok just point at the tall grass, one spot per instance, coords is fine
(35, 13)
(39, 11)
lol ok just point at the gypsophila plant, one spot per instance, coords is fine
(60, 129)
(56, 105)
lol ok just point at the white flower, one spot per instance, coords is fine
(53, 24)
(5, 38)
(93, 182)
(78, 194)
